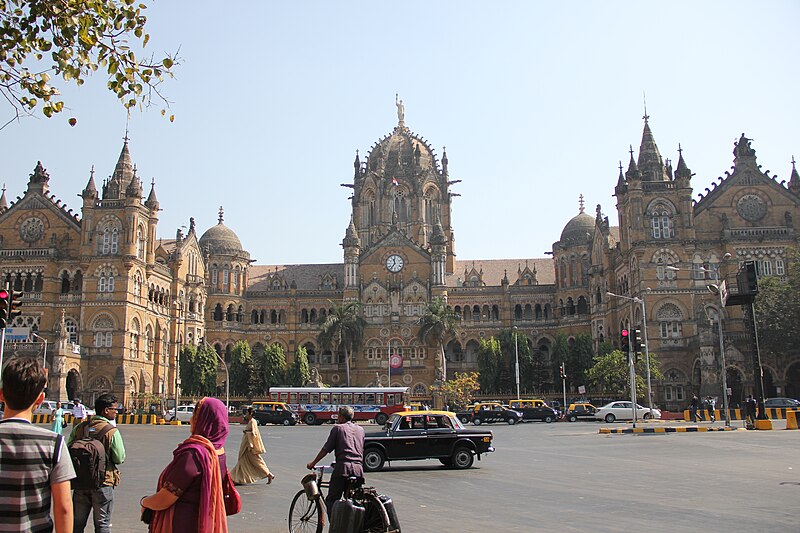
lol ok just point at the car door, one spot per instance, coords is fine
(440, 435)
(409, 438)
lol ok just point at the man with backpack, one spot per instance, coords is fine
(96, 449)
(35, 469)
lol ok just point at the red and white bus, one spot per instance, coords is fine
(316, 405)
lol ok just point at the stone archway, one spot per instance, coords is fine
(792, 388)
(736, 385)
(74, 384)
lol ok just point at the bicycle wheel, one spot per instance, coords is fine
(306, 516)
(376, 518)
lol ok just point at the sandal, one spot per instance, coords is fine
(270, 477)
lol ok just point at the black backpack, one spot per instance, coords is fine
(89, 457)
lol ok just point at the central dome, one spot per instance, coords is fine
(220, 239)
(401, 150)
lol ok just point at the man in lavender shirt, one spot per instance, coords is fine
(346, 439)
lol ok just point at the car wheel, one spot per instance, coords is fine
(463, 458)
(476, 421)
(548, 419)
(572, 418)
(373, 460)
(511, 421)
(610, 418)
(464, 420)
(381, 419)
(310, 419)
(646, 416)
(287, 422)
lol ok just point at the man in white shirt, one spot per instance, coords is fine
(78, 412)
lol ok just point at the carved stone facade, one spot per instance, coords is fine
(116, 303)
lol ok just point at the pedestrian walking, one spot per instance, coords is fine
(78, 412)
(191, 490)
(711, 404)
(251, 467)
(58, 419)
(750, 412)
(346, 439)
(88, 497)
(35, 469)
(693, 406)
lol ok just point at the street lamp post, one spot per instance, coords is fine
(44, 353)
(640, 301)
(716, 290)
(516, 356)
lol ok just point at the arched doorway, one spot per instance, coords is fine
(74, 385)
(769, 384)
(793, 381)
(736, 385)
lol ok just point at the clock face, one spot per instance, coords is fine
(394, 263)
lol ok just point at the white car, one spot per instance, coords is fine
(623, 411)
(185, 412)
(48, 406)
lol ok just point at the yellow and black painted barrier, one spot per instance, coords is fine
(792, 417)
(773, 413)
(121, 419)
(667, 429)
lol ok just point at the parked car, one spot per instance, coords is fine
(623, 410)
(465, 416)
(782, 403)
(534, 410)
(417, 435)
(580, 411)
(490, 412)
(274, 413)
(185, 413)
(48, 405)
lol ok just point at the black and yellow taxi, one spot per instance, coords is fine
(580, 411)
(490, 412)
(534, 410)
(418, 435)
(273, 413)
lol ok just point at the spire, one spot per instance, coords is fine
(794, 183)
(650, 163)
(90, 191)
(580, 204)
(633, 169)
(437, 236)
(123, 172)
(444, 160)
(357, 166)
(221, 213)
(351, 236)
(682, 171)
(620, 188)
(134, 188)
(4, 202)
(152, 201)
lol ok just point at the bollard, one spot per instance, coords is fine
(791, 418)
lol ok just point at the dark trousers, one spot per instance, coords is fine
(99, 502)
(335, 490)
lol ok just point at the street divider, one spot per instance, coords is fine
(791, 418)
(678, 429)
(773, 413)
(121, 419)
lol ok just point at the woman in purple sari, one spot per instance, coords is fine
(189, 495)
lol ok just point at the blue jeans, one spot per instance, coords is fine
(100, 502)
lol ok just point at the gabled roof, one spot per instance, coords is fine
(494, 270)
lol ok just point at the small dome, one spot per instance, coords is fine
(579, 230)
(220, 239)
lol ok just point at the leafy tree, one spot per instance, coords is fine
(272, 368)
(459, 391)
(611, 374)
(537, 375)
(198, 370)
(73, 39)
(490, 364)
(605, 347)
(242, 370)
(777, 308)
(580, 360)
(343, 329)
(438, 324)
(299, 374)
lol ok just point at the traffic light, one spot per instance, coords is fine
(561, 371)
(624, 344)
(4, 301)
(636, 339)
(14, 304)
(747, 279)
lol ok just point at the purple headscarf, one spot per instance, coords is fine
(211, 421)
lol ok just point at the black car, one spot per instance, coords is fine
(273, 413)
(580, 411)
(416, 435)
(534, 410)
(491, 412)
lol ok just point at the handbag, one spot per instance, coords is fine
(147, 515)
(233, 502)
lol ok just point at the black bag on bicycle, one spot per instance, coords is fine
(346, 517)
(372, 514)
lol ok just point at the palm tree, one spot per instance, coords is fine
(343, 328)
(438, 324)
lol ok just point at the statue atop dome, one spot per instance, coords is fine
(401, 110)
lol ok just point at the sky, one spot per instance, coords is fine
(536, 102)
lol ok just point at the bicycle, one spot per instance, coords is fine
(307, 512)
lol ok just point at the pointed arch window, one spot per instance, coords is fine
(109, 241)
(662, 224)
(670, 321)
